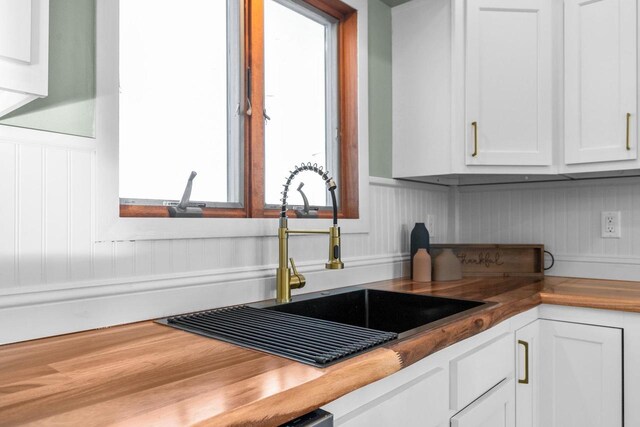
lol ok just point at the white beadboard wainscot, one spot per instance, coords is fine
(54, 273)
(565, 217)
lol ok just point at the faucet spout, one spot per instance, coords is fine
(289, 278)
(330, 183)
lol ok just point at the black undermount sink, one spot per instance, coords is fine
(402, 313)
(327, 327)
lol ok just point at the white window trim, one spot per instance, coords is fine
(108, 224)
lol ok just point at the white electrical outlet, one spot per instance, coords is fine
(431, 225)
(611, 225)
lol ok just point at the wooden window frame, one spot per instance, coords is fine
(254, 134)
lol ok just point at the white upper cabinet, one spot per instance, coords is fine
(496, 90)
(600, 80)
(24, 52)
(473, 89)
(509, 82)
(421, 62)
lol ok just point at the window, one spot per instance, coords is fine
(179, 83)
(300, 79)
(240, 93)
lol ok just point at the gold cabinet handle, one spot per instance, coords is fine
(475, 138)
(628, 127)
(526, 362)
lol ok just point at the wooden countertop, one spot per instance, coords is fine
(145, 373)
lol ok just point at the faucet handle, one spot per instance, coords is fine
(297, 280)
(293, 267)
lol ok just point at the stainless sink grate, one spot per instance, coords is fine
(312, 341)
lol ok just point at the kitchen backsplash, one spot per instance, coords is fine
(565, 217)
(46, 232)
(51, 268)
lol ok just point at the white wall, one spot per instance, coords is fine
(53, 274)
(565, 217)
(51, 269)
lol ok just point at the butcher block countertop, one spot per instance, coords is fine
(150, 374)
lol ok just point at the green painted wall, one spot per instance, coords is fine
(379, 89)
(70, 106)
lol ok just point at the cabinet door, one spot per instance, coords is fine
(15, 30)
(574, 375)
(600, 80)
(24, 52)
(493, 409)
(509, 82)
(580, 374)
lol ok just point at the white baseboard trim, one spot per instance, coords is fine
(94, 305)
(592, 267)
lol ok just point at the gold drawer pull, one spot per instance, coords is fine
(526, 362)
(475, 138)
(628, 126)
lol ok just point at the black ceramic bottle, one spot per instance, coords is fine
(419, 239)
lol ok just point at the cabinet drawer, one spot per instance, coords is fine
(494, 409)
(480, 369)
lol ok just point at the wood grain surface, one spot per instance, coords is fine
(149, 374)
(497, 259)
(593, 293)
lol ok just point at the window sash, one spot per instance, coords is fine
(332, 113)
(235, 102)
(347, 64)
(235, 120)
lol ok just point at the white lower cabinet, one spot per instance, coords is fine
(429, 392)
(468, 382)
(551, 366)
(419, 402)
(569, 374)
(494, 409)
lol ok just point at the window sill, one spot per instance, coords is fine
(194, 228)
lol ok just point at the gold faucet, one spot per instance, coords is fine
(289, 278)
